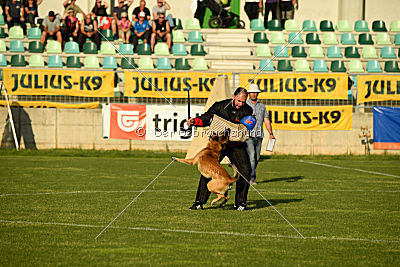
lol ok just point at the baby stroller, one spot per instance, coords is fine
(222, 14)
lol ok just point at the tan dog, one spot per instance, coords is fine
(208, 164)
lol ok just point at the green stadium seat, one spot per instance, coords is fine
(17, 46)
(397, 39)
(329, 38)
(2, 33)
(192, 24)
(3, 60)
(347, 39)
(338, 66)
(274, 25)
(110, 63)
(284, 65)
(107, 35)
(316, 51)
(197, 50)
(125, 49)
(301, 65)
(182, 64)
(195, 37)
(312, 38)
(144, 49)
(107, 48)
(263, 51)
(2, 22)
(36, 60)
(326, 26)
(73, 62)
(178, 23)
(178, 36)
(35, 47)
(281, 51)
(309, 26)
(355, 66)
(260, 38)
(295, 38)
(89, 47)
(291, 26)
(179, 50)
(392, 66)
(395, 26)
(53, 47)
(351, 52)
(91, 62)
(320, 66)
(369, 52)
(34, 33)
(361, 26)
(128, 63)
(16, 32)
(146, 63)
(200, 64)
(3, 47)
(379, 26)
(278, 38)
(266, 65)
(54, 61)
(163, 63)
(374, 66)
(257, 25)
(344, 26)
(298, 51)
(18, 61)
(387, 52)
(161, 49)
(334, 52)
(71, 47)
(365, 39)
(383, 38)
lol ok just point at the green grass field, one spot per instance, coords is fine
(54, 203)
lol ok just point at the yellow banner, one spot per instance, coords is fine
(311, 118)
(59, 82)
(169, 85)
(47, 104)
(299, 85)
(378, 88)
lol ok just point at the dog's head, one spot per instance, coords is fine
(219, 141)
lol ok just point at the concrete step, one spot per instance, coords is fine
(229, 51)
(227, 65)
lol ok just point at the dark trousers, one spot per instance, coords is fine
(287, 11)
(251, 9)
(269, 7)
(82, 39)
(239, 157)
(135, 39)
(30, 18)
(16, 21)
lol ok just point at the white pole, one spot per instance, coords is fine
(10, 116)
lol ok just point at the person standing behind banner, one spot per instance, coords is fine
(252, 8)
(257, 134)
(270, 5)
(287, 10)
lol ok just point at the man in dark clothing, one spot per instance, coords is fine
(232, 110)
(15, 14)
(270, 5)
(141, 8)
(161, 30)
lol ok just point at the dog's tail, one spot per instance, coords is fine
(186, 161)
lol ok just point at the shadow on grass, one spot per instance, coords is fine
(286, 179)
(258, 204)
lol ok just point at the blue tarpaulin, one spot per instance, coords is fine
(386, 128)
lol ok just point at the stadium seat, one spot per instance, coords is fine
(17, 46)
(107, 48)
(284, 65)
(36, 60)
(369, 52)
(395, 26)
(295, 38)
(178, 37)
(257, 25)
(266, 65)
(2, 19)
(326, 26)
(263, 51)
(397, 39)
(53, 47)
(161, 49)
(355, 66)
(379, 26)
(316, 51)
(329, 38)
(107, 35)
(179, 50)
(291, 26)
(79, 16)
(163, 63)
(387, 52)
(365, 39)
(3, 47)
(281, 51)
(178, 23)
(109, 63)
(301, 65)
(195, 37)
(309, 26)
(144, 49)
(192, 24)
(2, 33)
(18, 61)
(344, 26)
(3, 60)
(320, 66)
(35, 47)
(197, 50)
(91, 62)
(351, 52)
(182, 64)
(71, 47)
(34, 33)
(200, 64)
(383, 38)
(312, 38)
(347, 39)
(54, 61)
(334, 52)
(73, 62)
(146, 63)
(274, 25)
(298, 51)
(89, 48)
(392, 66)
(361, 26)
(278, 38)
(260, 38)
(374, 66)
(16, 32)
(125, 49)
(128, 63)
(338, 66)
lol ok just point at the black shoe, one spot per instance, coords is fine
(196, 206)
(240, 207)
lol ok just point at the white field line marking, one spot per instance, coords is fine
(346, 168)
(202, 232)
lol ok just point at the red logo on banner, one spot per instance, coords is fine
(128, 121)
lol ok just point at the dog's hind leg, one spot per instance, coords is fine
(226, 196)
(220, 196)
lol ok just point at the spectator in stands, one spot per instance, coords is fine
(141, 8)
(31, 11)
(270, 5)
(287, 10)
(99, 9)
(71, 29)
(3, 4)
(252, 8)
(142, 30)
(15, 14)
(117, 12)
(72, 4)
(51, 28)
(124, 28)
(161, 30)
(161, 8)
(88, 31)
